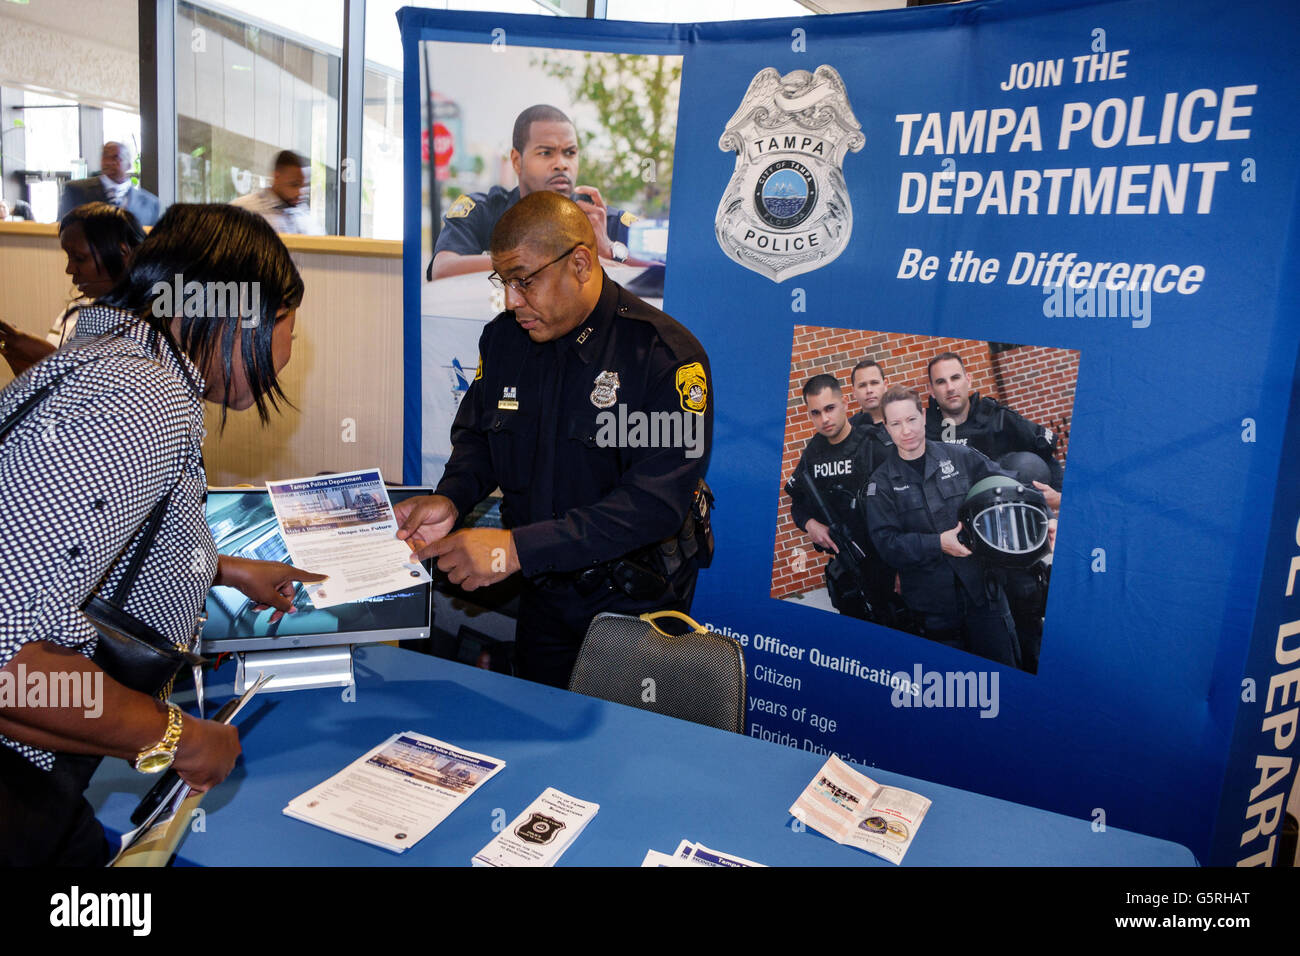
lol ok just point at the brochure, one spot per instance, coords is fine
(343, 525)
(695, 854)
(854, 810)
(396, 793)
(538, 836)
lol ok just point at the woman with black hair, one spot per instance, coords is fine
(98, 239)
(100, 453)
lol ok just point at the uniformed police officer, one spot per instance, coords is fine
(912, 509)
(869, 386)
(592, 523)
(959, 415)
(544, 154)
(837, 463)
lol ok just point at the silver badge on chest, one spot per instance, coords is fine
(605, 393)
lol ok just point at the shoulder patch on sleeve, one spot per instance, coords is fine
(461, 208)
(478, 372)
(627, 218)
(693, 388)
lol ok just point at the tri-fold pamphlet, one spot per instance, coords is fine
(538, 836)
(343, 525)
(396, 793)
(855, 810)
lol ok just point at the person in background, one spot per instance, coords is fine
(545, 156)
(95, 439)
(98, 240)
(15, 210)
(113, 185)
(284, 203)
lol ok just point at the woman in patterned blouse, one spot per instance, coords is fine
(120, 430)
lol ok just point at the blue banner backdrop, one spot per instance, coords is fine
(1045, 133)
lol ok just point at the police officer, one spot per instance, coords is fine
(958, 415)
(593, 519)
(824, 492)
(544, 155)
(912, 505)
(869, 386)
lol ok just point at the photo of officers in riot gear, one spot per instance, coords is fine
(914, 500)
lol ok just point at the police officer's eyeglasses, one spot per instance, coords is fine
(522, 284)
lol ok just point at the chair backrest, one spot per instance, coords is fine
(697, 676)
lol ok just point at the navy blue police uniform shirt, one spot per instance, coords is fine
(907, 517)
(840, 472)
(467, 226)
(995, 430)
(567, 429)
(882, 446)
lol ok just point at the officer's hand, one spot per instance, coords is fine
(595, 211)
(425, 519)
(821, 535)
(1050, 494)
(948, 541)
(477, 557)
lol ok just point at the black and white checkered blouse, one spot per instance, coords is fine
(78, 476)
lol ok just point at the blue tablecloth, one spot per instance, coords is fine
(657, 780)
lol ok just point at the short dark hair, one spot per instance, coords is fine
(942, 357)
(287, 157)
(819, 383)
(108, 228)
(901, 393)
(215, 243)
(866, 363)
(541, 113)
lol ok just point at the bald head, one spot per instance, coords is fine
(544, 252)
(546, 222)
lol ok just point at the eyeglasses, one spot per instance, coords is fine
(523, 283)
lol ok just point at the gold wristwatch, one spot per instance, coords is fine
(159, 757)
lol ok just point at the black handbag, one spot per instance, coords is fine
(133, 653)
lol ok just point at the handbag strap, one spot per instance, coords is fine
(148, 529)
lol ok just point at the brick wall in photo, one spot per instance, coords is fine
(1036, 381)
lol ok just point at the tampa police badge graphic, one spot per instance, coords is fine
(786, 210)
(539, 829)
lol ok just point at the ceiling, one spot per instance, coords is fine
(110, 22)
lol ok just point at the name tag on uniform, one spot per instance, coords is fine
(509, 400)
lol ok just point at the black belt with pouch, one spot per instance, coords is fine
(646, 574)
(133, 653)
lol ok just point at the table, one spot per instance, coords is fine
(657, 780)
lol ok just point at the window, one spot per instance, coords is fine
(247, 88)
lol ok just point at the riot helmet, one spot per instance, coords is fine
(1004, 522)
(1026, 467)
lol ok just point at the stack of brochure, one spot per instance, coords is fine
(396, 793)
(695, 854)
(855, 810)
(539, 835)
